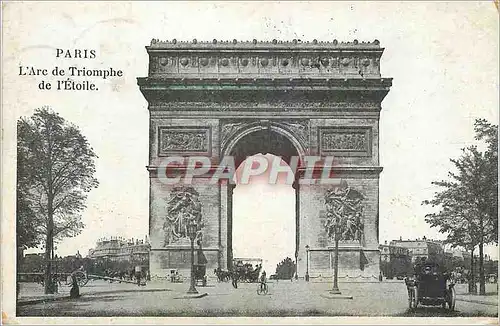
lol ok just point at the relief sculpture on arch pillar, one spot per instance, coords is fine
(344, 218)
(183, 208)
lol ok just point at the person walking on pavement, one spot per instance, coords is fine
(234, 278)
(138, 274)
(263, 281)
(75, 289)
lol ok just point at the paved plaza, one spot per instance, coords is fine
(285, 298)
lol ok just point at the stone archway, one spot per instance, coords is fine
(252, 138)
(317, 99)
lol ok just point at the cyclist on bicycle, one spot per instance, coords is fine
(263, 281)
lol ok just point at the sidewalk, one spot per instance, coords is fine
(32, 293)
(488, 299)
(491, 297)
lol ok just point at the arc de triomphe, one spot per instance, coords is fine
(295, 98)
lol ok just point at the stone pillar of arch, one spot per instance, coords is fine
(287, 98)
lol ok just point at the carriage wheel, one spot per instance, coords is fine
(81, 278)
(451, 299)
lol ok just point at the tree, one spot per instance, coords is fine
(285, 269)
(55, 172)
(468, 203)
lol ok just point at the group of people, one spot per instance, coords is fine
(239, 272)
(248, 273)
(130, 274)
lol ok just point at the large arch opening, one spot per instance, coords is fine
(263, 217)
(263, 209)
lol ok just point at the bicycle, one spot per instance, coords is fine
(262, 288)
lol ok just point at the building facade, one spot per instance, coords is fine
(291, 99)
(118, 249)
(394, 261)
(422, 249)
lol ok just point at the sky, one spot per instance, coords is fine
(443, 58)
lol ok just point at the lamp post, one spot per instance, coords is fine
(307, 263)
(335, 289)
(191, 230)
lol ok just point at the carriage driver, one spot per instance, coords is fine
(263, 280)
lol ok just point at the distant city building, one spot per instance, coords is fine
(421, 248)
(121, 249)
(456, 252)
(394, 260)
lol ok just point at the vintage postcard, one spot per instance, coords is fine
(250, 162)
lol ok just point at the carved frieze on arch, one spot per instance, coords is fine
(295, 130)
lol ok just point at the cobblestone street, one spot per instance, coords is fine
(285, 298)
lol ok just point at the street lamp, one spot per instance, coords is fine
(307, 263)
(192, 228)
(335, 289)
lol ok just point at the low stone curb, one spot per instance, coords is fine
(336, 296)
(192, 296)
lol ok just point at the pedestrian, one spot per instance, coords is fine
(75, 289)
(234, 280)
(262, 280)
(138, 274)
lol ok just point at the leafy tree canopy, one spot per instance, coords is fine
(55, 171)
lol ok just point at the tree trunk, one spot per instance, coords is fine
(482, 286)
(472, 281)
(48, 267)
(49, 289)
(20, 255)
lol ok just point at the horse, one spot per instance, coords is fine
(222, 275)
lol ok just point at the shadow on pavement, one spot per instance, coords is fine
(239, 313)
(489, 294)
(440, 312)
(63, 308)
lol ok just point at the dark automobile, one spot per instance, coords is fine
(430, 287)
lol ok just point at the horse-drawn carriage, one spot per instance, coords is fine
(431, 287)
(245, 270)
(248, 274)
(82, 278)
(200, 274)
(242, 270)
(222, 275)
